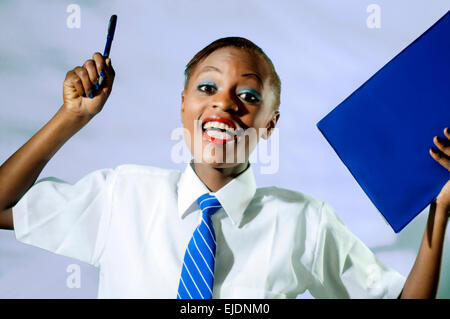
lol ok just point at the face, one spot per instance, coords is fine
(227, 107)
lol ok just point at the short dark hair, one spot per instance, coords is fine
(240, 43)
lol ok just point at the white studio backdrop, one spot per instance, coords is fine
(323, 50)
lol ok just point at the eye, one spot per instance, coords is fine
(206, 88)
(251, 97)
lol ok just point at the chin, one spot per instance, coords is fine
(221, 165)
(220, 156)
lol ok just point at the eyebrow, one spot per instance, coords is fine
(213, 68)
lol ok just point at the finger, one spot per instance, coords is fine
(89, 65)
(105, 69)
(99, 62)
(101, 65)
(110, 70)
(442, 144)
(84, 76)
(447, 132)
(109, 77)
(74, 80)
(441, 158)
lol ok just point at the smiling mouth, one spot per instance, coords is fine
(219, 130)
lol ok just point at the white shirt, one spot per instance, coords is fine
(134, 223)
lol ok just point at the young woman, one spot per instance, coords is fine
(207, 232)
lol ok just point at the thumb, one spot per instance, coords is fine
(110, 69)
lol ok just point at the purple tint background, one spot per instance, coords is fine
(322, 50)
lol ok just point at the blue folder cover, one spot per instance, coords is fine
(383, 131)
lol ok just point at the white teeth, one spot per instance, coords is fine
(219, 125)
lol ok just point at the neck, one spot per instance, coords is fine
(215, 178)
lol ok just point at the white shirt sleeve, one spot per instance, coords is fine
(66, 219)
(344, 267)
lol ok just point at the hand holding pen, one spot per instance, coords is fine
(87, 87)
(109, 38)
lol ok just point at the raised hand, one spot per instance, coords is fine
(82, 95)
(442, 156)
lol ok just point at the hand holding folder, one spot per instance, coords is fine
(384, 130)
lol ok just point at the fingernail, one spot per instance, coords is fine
(102, 73)
(434, 150)
(447, 130)
(440, 139)
(96, 86)
(91, 95)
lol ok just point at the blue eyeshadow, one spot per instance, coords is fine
(206, 82)
(252, 92)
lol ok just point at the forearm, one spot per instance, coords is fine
(423, 279)
(19, 172)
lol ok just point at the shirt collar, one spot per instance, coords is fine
(234, 196)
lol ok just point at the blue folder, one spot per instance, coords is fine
(383, 131)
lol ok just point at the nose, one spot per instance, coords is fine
(226, 101)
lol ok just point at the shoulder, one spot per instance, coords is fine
(316, 213)
(291, 204)
(143, 174)
(288, 199)
(146, 170)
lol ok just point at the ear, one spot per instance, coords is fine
(271, 125)
(182, 101)
(182, 105)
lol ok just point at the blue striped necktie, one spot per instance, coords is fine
(197, 274)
